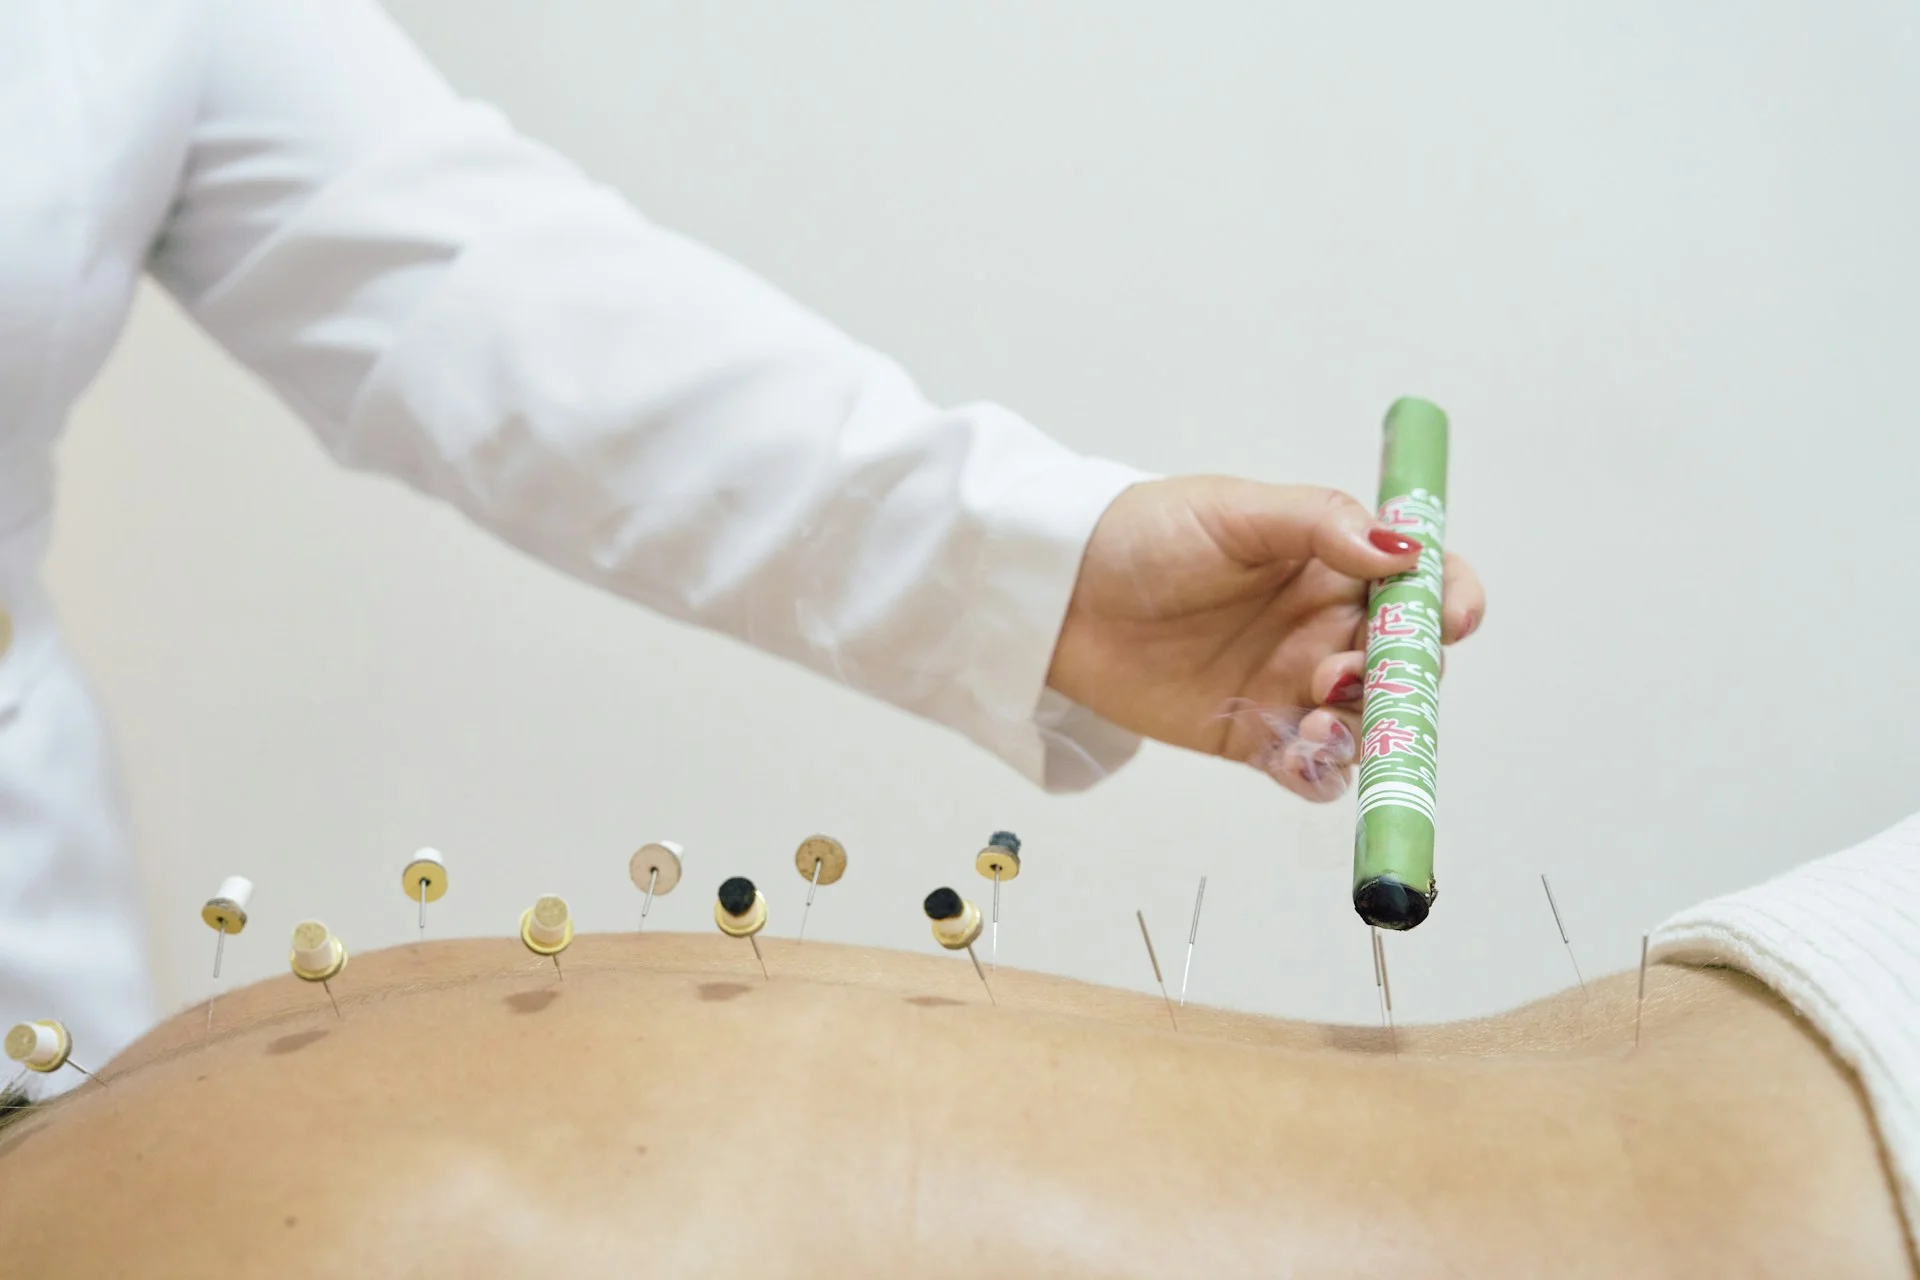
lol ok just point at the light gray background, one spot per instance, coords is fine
(1657, 261)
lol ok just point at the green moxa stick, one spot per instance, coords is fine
(1393, 885)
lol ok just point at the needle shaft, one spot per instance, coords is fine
(757, 956)
(653, 875)
(328, 988)
(88, 1074)
(219, 945)
(812, 884)
(993, 946)
(1385, 984)
(1155, 962)
(1192, 933)
(983, 974)
(1640, 1003)
(1555, 908)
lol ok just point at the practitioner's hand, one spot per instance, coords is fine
(1201, 590)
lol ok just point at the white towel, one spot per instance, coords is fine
(1838, 939)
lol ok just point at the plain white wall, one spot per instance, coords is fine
(1656, 260)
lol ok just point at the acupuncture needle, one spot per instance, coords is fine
(998, 861)
(661, 862)
(819, 860)
(1640, 1002)
(1555, 908)
(740, 910)
(1155, 962)
(956, 926)
(318, 956)
(425, 880)
(225, 912)
(1192, 933)
(1385, 984)
(45, 1047)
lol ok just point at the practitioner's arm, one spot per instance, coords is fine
(452, 304)
(449, 303)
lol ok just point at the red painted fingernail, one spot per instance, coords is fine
(1392, 543)
(1345, 689)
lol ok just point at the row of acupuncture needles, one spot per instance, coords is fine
(1186, 971)
(1640, 993)
(1382, 978)
(740, 910)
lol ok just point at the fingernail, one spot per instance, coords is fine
(1345, 689)
(1473, 625)
(1392, 543)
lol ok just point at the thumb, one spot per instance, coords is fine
(1259, 524)
(1347, 538)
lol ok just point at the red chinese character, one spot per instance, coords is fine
(1386, 738)
(1394, 515)
(1391, 624)
(1377, 681)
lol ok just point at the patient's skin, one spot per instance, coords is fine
(663, 1110)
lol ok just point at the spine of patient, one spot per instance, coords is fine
(1393, 884)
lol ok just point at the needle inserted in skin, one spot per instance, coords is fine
(1640, 1003)
(653, 878)
(88, 1074)
(956, 924)
(546, 929)
(219, 945)
(318, 956)
(999, 861)
(1555, 908)
(983, 976)
(1192, 933)
(225, 913)
(813, 882)
(1155, 962)
(425, 880)
(819, 860)
(1373, 945)
(659, 863)
(1385, 984)
(45, 1047)
(1386, 989)
(993, 943)
(741, 912)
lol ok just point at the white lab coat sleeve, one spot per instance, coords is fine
(456, 306)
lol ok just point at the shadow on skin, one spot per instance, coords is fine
(933, 1002)
(719, 992)
(296, 1042)
(531, 1001)
(19, 1133)
(1356, 1039)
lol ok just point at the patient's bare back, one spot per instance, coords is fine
(663, 1107)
